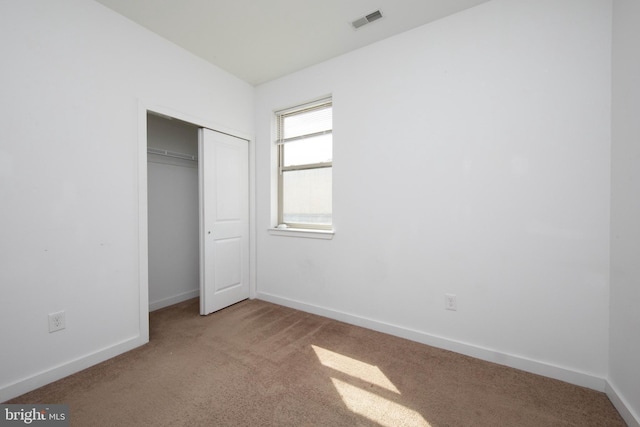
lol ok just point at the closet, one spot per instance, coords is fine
(172, 191)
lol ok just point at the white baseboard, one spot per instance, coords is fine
(58, 372)
(518, 362)
(632, 419)
(166, 302)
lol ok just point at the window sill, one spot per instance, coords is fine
(304, 233)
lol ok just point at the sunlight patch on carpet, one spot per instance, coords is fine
(376, 408)
(354, 368)
(370, 405)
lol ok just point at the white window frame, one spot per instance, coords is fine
(314, 230)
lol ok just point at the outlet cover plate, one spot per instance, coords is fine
(57, 321)
(450, 302)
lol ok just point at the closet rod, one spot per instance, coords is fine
(168, 153)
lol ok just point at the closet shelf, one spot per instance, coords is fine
(167, 153)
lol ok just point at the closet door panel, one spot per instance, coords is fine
(224, 220)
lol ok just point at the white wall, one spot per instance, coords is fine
(72, 75)
(173, 207)
(624, 368)
(471, 156)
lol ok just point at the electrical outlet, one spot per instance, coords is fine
(57, 321)
(450, 302)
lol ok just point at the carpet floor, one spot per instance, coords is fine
(260, 364)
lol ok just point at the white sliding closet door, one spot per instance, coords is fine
(224, 220)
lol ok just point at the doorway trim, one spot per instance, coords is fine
(143, 236)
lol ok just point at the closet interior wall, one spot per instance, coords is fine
(172, 169)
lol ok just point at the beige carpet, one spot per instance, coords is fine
(259, 364)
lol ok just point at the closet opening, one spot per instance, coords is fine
(173, 211)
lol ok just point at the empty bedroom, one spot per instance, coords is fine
(374, 213)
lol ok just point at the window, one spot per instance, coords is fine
(305, 155)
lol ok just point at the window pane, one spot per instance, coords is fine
(307, 123)
(309, 150)
(306, 196)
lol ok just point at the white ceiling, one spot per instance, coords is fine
(260, 40)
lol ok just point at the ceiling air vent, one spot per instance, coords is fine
(373, 16)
